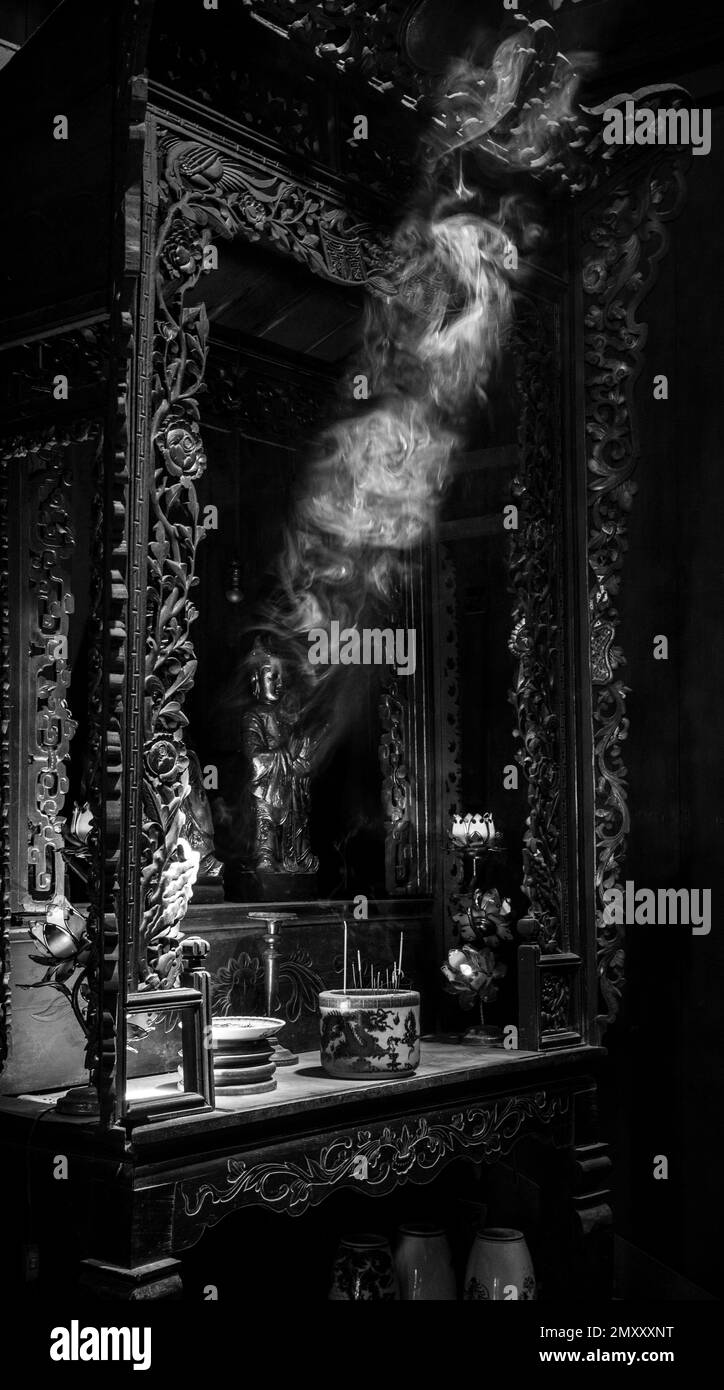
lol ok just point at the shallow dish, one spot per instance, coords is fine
(241, 1058)
(243, 1076)
(242, 1029)
(231, 1093)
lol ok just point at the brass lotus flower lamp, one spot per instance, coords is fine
(471, 971)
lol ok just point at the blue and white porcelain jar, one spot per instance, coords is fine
(363, 1271)
(369, 1032)
(499, 1266)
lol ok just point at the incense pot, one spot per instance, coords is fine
(369, 1032)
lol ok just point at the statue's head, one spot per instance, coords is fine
(266, 673)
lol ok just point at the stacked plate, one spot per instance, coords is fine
(243, 1063)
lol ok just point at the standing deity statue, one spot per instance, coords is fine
(199, 825)
(280, 758)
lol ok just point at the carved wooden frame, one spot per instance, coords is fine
(37, 727)
(622, 236)
(570, 715)
(148, 532)
(197, 187)
(412, 1149)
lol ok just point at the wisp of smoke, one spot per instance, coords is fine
(373, 487)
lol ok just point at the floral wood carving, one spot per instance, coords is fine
(390, 1155)
(396, 791)
(624, 238)
(535, 581)
(169, 865)
(226, 193)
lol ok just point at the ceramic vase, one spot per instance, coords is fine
(499, 1266)
(369, 1032)
(423, 1262)
(363, 1271)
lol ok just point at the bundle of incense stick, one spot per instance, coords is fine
(370, 976)
(377, 979)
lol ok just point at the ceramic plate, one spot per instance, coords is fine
(243, 1076)
(224, 1093)
(237, 1030)
(241, 1059)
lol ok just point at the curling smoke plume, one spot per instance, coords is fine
(374, 485)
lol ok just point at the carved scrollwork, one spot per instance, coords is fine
(51, 543)
(207, 187)
(388, 1155)
(624, 238)
(43, 842)
(168, 864)
(396, 791)
(47, 725)
(360, 38)
(535, 580)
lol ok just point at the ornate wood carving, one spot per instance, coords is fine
(123, 541)
(624, 238)
(208, 190)
(448, 725)
(388, 1155)
(555, 1013)
(535, 577)
(363, 37)
(396, 792)
(5, 716)
(175, 532)
(368, 40)
(113, 700)
(43, 727)
(262, 97)
(226, 192)
(43, 673)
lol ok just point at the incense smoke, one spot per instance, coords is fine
(374, 484)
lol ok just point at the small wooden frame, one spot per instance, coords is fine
(198, 1092)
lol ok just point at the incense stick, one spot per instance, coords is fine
(344, 971)
(399, 963)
